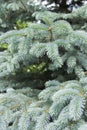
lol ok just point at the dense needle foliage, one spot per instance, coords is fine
(43, 68)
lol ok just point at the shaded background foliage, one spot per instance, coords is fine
(66, 5)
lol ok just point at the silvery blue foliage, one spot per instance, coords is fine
(55, 43)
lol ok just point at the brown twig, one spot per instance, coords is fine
(85, 72)
(50, 30)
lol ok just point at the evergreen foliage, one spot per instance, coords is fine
(48, 49)
(12, 11)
